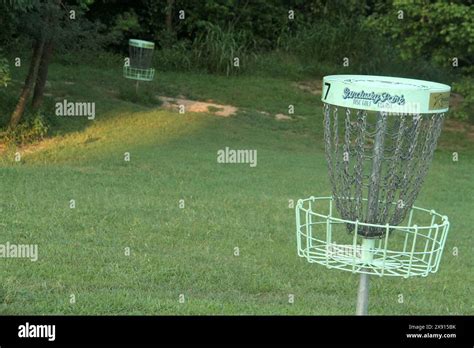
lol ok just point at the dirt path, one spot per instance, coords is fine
(198, 106)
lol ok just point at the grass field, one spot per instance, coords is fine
(191, 250)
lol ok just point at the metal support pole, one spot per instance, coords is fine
(367, 256)
(374, 181)
(372, 210)
(363, 295)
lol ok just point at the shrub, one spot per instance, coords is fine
(436, 30)
(465, 111)
(216, 48)
(177, 57)
(4, 72)
(33, 128)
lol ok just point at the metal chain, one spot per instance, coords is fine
(399, 164)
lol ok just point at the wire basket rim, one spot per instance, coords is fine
(299, 205)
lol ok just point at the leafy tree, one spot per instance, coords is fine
(17, 6)
(49, 24)
(435, 30)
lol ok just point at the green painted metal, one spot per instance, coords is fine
(138, 74)
(140, 55)
(411, 250)
(387, 94)
(141, 43)
(367, 254)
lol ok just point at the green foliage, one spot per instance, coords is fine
(435, 30)
(9, 19)
(465, 111)
(260, 19)
(4, 72)
(213, 51)
(322, 49)
(216, 49)
(19, 5)
(50, 20)
(426, 36)
(8, 98)
(177, 57)
(34, 127)
(329, 43)
(126, 25)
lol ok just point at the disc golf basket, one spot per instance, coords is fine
(380, 134)
(140, 54)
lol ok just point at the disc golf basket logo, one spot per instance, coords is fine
(140, 61)
(380, 134)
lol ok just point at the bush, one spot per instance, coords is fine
(177, 57)
(436, 30)
(216, 49)
(4, 72)
(321, 49)
(464, 111)
(33, 128)
(213, 51)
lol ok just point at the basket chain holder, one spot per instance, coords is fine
(380, 134)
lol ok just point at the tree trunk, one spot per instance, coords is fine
(30, 78)
(42, 75)
(169, 15)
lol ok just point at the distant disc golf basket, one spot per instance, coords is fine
(140, 67)
(380, 134)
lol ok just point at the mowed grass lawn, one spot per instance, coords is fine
(191, 251)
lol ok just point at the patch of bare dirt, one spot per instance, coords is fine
(198, 106)
(312, 86)
(282, 117)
